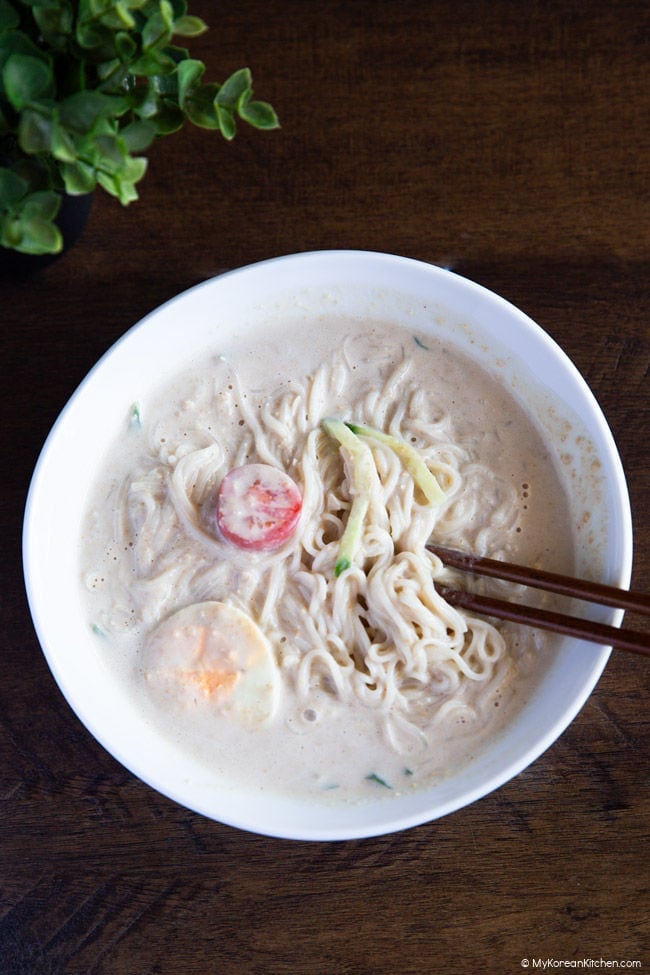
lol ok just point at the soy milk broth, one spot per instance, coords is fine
(325, 749)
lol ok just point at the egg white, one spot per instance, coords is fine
(213, 656)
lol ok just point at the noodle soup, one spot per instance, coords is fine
(286, 667)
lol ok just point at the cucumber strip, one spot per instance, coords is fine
(360, 468)
(412, 461)
(351, 535)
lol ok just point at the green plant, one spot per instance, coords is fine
(85, 88)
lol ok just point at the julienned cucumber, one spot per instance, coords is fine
(361, 472)
(412, 461)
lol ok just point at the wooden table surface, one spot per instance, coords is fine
(505, 140)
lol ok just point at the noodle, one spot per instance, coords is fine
(389, 603)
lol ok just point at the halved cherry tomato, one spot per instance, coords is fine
(258, 507)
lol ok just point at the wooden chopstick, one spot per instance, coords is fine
(601, 633)
(610, 636)
(593, 592)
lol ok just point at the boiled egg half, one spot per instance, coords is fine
(211, 655)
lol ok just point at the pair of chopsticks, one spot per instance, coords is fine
(595, 592)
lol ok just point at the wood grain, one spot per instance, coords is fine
(509, 142)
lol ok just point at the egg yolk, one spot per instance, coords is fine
(213, 655)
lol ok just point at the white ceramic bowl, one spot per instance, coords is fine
(357, 283)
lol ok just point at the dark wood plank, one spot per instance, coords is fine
(509, 142)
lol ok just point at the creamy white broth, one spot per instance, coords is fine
(324, 740)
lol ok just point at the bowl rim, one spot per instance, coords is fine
(392, 816)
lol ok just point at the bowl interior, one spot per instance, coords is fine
(240, 303)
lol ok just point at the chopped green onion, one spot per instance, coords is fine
(373, 777)
(135, 417)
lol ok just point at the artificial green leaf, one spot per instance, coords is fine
(41, 237)
(199, 107)
(110, 152)
(109, 183)
(97, 8)
(189, 26)
(147, 103)
(93, 36)
(169, 118)
(260, 115)
(112, 75)
(39, 172)
(34, 236)
(226, 121)
(44, 204)
(78, 178)
(34, 132)
(134, 169)
(166, 84)
(189, 74)
(153, 63)
(9, 17)
(62, 144)
(54, 20)
(179, 8)
(12, 187)
(176, 53)
(117, 185)
(157, 31)
(112, 12)
(15, 42)
(10, 231)
(166, 12)
(81, 111)
(234, 87)
(127, 192)
(125, 46)
(26, 79)
(105, 125)
(119, 17)
(139, 135)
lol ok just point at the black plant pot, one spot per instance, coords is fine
(71, 220)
